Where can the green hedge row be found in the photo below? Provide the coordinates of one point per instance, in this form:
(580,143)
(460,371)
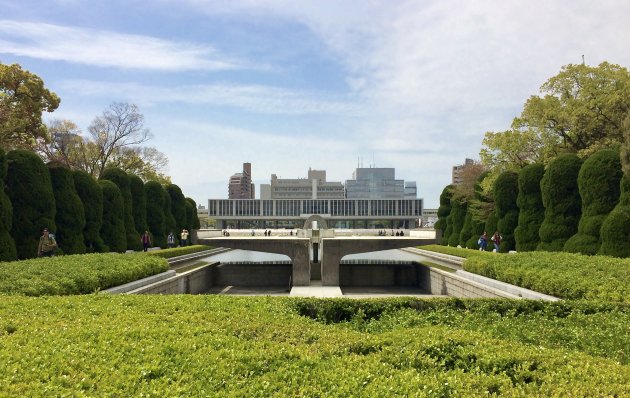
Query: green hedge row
(215,346)
(179,251)
(76,274)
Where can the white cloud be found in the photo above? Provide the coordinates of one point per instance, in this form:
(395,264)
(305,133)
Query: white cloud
(107,49)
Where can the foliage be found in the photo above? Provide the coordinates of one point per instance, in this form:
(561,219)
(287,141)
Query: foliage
(598,181)
(625,147)
(91,196)
(178,251)
(69,216)
(138,203)
(444,211)
(193,217)
(221,346)
(505,194)
(466,234)
(113,227)
(169,220)
(562,202)
(490,227)
(30,191)
(155,212)
(77,274)
(178,206)
(531,210)
(615,232)
(121,179)
(23,99)
(455,251)
(457,219)
(7,244)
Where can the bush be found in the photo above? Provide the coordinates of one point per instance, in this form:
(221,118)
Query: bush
(457,219)
(179,251)
(91,196)
(169,220)
(120,178)
(443,212)
(491,226)
(615,232)
(505,194)
(476,209)
(138,203)
(191,213)
(531,210)
(113,228)
(77,274)
(7,244)
(562,202)
(598,182)
(70,216)
(155,213)
(178,206)
(30,191)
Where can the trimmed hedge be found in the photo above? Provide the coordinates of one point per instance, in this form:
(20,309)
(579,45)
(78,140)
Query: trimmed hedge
(76,274)
(505,194)
(70,216)
(598,182)
(191,215)
(121,179)
(457,219)
(7,244)
(155,212)
(30,191)
(178,207)
(169,220)
(476,226)
(615,232)
(113,228)
(562,202)
(138,203)
(490,227)
(443,212)
(531,210)
(91,196)
(179,251)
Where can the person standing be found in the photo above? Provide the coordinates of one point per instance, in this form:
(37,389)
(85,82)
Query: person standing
(146,241)
(496,239)
(170,240)
(483,241)
(47,244)
(184,238)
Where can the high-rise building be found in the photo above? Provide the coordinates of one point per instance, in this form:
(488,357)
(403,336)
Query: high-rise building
(378,183)
(459,169)
(241,186)
(314,186)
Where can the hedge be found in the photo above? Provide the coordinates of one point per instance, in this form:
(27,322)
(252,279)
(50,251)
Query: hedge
(477,227)
(444,211)
(113,228)
(262,347)
(178,207)
(30,191)
(191,215)
(70,214)
(91,196)
(457,219)
(615,232)
(7,244)
(155,212)
(121,179)
(75,274)
(169,221)
(490,227)
(531,210)
(505,194)
(138,203)
(561,199)
(179,251)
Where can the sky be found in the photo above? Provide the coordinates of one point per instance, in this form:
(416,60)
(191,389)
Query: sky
(289,85)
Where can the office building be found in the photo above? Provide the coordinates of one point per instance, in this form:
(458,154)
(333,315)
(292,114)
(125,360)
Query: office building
(379,183)
(314,186)
(459,170)
(241,186)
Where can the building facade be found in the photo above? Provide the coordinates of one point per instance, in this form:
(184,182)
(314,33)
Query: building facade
(458,171)
(314,186)
(240,185)
(379,183)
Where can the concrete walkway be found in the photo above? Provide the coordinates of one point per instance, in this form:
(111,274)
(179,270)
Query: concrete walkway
(316,290)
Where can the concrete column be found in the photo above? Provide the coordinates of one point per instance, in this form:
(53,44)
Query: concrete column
(301,265)
(331,258)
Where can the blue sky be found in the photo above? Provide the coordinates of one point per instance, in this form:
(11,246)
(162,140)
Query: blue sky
(288,85)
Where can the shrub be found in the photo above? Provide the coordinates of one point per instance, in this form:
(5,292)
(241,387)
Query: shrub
(505,194)
(155,212)
(457,218)
(70,216)
(194,217)
(169,220)
(178,251)
(466,233)
(178,206)
(443,212)
(491,226)
(531,210)
(615,232)
(7,244)
(138,203)
(91,196)
(598,182)
(476,209)
(30,191)
(562,202)
(120,178)
(113,228)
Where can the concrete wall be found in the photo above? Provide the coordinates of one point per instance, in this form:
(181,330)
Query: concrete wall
(379,275)
(436,281)
(251,275)
(195,281)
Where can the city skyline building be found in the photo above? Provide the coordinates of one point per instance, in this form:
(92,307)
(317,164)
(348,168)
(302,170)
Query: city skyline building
(457,176)
(240,185)
(379,183)
(314,186)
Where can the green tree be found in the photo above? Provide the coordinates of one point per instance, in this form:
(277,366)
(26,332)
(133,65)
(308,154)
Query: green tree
(478,210)
(169,220)
(615,232)
(505,194)
(457,219)
(191,212)
(443,212)
(531,210)
(69,216)
(91,196)
(491,227)
(23,99)
(155,212)
(562,202)
(178,206)
(7,244)
(599,187)
(113,228)
(30,191)
(120,178)
(139,203)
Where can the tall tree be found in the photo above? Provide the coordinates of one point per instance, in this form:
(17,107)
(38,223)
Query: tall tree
(139,203)
(178,206)
(155,213)
(121,179)
(70,214)
(91,196)
(7,244)
(444,211)
(169,221)
(505,194)
(113,227)
(531,210)
(23,99)
(194,221)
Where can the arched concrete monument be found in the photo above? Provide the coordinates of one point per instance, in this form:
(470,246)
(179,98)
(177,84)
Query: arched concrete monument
(321,222)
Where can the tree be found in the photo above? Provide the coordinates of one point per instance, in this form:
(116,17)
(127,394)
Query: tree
(457,219)
(478,213)
(505,194)
(121,179)
(562,202)
(443,211)
(178,206)
(30,191)
(145,162)
(194,222)
(139,203)
(169,221)
(190,215)
(70,215)
(23,99)
(113,227)
(491,226)
(155,212)
(531,210)
(615,232)
(7,244)
(91,196)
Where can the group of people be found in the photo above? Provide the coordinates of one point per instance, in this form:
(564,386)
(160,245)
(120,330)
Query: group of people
(398,233)
(145,239)
(483,241)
